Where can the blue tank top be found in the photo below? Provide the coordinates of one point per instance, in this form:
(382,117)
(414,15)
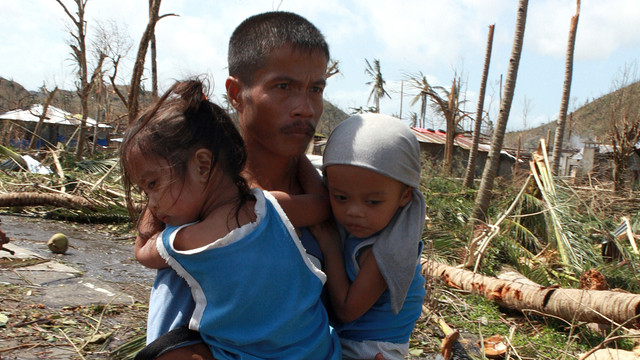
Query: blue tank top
(379,323)
(257,297)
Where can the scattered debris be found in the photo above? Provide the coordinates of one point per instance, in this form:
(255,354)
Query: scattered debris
(593,280)
(58,243)
(495,347)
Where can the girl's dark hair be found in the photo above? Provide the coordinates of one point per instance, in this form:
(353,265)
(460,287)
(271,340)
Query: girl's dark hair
(175,126)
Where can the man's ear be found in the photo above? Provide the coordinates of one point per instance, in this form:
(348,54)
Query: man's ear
(406,196)
(203,162)
(235,88)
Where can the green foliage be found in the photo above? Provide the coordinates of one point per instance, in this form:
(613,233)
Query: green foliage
(97,166)
(533,337)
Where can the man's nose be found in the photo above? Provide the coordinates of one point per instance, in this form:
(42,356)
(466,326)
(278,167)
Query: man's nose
(305,106)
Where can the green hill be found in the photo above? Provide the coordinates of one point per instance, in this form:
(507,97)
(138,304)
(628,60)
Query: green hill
(589,122)
(331,116)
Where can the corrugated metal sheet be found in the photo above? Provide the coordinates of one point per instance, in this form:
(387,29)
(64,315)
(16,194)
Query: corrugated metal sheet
(54,116)
(438,137)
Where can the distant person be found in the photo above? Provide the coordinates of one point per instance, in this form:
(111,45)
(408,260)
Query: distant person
(372,170)
(257,294)
(634,167)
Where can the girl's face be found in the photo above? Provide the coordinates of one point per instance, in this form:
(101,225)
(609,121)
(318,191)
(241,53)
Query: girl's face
(362,200)
(172,199)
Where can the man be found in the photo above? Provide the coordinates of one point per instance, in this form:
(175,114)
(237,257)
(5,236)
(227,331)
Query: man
(277,64)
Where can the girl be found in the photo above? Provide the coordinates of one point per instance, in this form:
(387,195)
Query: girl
(257,295)
(372,170)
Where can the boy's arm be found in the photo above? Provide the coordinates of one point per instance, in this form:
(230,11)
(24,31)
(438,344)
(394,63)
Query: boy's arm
(144,247)
(309,208)
(349,300)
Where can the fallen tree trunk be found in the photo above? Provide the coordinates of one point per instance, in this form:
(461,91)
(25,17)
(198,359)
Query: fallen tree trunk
(35,199)
(570,304)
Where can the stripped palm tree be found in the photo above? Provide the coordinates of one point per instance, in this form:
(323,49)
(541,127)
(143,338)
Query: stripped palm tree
(377,90)
(566,90)
(473,152)
(491,168)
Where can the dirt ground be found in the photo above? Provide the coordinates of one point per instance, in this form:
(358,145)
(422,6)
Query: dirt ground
(80,305)
(86,303)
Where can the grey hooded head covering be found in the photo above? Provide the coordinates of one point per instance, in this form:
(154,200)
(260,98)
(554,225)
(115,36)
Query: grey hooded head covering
(386,145)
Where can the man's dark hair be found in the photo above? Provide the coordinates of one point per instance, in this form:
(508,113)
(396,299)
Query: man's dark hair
(258,36)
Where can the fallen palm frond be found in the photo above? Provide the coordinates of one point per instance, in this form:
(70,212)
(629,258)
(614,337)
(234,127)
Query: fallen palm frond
(482,242)
(541,171)
(101,166)
(14,156)
(128,350)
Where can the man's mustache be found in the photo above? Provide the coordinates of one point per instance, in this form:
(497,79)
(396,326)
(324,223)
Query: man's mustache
(300,126)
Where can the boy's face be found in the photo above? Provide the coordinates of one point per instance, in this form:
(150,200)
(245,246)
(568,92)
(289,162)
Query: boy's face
(364,201)
(279,111)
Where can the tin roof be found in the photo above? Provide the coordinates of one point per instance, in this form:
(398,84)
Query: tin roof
(54,116)
(439,137)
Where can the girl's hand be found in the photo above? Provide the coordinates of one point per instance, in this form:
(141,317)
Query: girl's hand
(144,249)
(148,226)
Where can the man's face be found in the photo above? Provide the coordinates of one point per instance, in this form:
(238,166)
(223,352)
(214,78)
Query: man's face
(280,110)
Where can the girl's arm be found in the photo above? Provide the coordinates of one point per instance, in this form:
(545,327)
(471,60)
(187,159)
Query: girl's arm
(309,208)
(349,300)
(144,247)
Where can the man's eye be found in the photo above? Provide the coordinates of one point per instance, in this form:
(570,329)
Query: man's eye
(317,89)
(151,185)
(374,202)
(283,86)
(339,197)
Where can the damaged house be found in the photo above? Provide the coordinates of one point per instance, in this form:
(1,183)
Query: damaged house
(57,126)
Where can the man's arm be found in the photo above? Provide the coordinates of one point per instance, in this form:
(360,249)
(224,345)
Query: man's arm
(144,247)
(309,208)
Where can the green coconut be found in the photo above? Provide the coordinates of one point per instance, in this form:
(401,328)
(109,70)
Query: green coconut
(58,243)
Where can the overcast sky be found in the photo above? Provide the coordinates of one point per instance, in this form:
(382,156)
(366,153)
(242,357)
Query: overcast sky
(437,38)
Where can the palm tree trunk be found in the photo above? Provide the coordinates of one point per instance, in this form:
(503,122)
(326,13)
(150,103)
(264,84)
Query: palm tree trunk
(598,306)
(477,126)
(566,90)
(450,116)
(493,160)
(138,68)
(38,199)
